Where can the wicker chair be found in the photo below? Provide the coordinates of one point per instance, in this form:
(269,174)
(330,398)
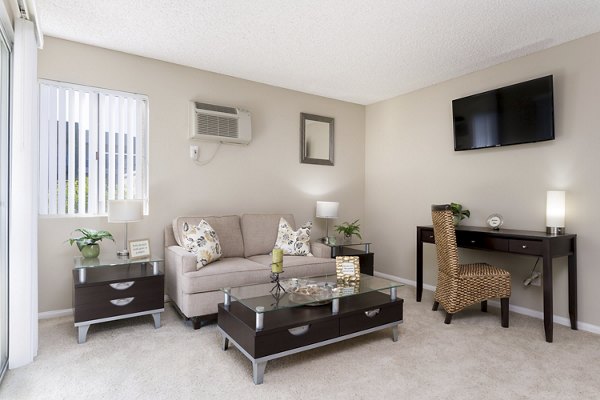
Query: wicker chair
(461,285)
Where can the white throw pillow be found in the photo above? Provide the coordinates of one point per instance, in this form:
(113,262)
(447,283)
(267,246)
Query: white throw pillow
(203,242)
(293,243)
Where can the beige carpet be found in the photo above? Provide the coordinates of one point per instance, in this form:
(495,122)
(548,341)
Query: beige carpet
(473,358)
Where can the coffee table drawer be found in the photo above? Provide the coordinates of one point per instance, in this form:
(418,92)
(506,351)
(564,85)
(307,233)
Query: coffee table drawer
(371,318)
(292,338)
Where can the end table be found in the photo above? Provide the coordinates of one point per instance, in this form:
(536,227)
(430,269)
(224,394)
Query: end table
(111,288)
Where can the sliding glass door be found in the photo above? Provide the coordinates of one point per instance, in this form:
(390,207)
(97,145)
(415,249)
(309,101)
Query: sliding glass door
(4,185)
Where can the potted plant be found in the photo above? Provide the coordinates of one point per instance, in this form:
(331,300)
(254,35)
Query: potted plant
(87,243)
(349,229)
(459,213)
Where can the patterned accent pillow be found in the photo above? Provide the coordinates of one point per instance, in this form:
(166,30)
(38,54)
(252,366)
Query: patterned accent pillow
(203,242)
(293,243)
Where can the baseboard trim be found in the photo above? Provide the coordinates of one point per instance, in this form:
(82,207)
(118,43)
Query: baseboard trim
(582,326)
(55,313)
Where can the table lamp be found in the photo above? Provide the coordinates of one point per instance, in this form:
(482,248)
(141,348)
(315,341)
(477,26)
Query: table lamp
(327,210)
(555,212)
(125,211)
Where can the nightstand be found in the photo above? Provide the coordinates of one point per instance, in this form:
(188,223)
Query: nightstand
(365,256)
(112,288)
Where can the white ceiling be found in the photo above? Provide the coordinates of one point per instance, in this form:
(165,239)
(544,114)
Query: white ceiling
(358,51)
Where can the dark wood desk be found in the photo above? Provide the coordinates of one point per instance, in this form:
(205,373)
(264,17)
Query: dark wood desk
(539,244)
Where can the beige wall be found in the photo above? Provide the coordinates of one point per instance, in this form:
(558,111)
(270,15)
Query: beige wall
(265,176)
(411,164)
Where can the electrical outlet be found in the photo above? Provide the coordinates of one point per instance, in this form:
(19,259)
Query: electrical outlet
(193,152)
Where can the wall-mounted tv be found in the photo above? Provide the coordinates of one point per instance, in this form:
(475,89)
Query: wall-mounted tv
(520,113)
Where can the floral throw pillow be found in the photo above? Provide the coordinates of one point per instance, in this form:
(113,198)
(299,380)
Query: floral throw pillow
(202,241)
(293,243)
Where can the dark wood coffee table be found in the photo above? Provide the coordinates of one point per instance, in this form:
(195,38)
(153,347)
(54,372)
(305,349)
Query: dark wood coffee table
(265,325)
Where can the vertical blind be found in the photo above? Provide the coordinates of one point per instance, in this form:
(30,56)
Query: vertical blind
(93,148)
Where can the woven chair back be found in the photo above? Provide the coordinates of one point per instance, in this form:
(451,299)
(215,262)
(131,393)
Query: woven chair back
(445,240)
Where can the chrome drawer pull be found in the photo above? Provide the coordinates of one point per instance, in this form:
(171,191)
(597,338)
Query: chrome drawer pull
(300,330)
(122,302)
(430,236)
(372,313)
(473,242)
(122,285)
(524,246)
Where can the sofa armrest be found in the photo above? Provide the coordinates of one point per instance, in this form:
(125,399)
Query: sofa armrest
(180,260)
(320,250)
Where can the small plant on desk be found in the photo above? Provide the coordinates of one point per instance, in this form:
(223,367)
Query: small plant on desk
(459,213)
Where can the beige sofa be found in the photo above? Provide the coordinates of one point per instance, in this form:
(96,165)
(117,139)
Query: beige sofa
(246,243)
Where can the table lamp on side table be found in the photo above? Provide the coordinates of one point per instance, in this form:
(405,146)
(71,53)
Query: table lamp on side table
(125,211)
(327,210)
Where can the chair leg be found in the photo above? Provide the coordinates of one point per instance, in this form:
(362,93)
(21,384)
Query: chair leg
(435,305)
(484,306)
(504,311)
(448,318)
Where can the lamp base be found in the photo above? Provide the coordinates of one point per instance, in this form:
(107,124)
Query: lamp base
(555,230)
(123,253)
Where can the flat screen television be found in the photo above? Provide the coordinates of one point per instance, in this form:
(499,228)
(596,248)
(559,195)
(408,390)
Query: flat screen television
(515,114)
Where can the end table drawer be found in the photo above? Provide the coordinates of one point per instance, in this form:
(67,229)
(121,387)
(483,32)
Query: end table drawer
(114,290)
(427,236)
(292,338)
(118,306)
(371,318)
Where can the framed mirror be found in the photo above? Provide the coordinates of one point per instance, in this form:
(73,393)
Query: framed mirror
(316,139)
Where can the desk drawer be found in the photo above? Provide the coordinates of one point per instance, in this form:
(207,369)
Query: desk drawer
(427,236)
(532,247)
(481,242)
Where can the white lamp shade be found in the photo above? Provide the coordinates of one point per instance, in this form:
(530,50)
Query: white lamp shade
(125,210)
(327,209)
(555,208)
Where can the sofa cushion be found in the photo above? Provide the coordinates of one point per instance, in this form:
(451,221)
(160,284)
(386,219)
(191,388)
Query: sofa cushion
(300,266)
(202,241)
(260,232)
(293,242)
(227,228)
(230,271)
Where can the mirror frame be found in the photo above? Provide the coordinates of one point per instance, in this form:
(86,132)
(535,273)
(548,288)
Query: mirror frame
(311,117)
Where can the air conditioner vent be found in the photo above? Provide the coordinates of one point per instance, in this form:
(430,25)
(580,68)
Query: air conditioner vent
(212,107)
(217,126)
(218,123)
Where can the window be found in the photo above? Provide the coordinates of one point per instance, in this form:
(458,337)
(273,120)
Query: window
(93,148)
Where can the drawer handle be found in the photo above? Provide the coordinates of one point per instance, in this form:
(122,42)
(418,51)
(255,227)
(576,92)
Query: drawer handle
(430,236)
(122,285)
(122,302)
(372,313)
(473,242)
(300,330)
(524,246)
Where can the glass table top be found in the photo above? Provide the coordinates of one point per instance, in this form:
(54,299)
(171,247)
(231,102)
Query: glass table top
(310,291)
(109,260)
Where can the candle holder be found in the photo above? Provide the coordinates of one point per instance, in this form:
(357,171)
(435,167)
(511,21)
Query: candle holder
(275,279)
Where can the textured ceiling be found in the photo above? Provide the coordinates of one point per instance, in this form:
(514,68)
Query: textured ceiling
(358,51)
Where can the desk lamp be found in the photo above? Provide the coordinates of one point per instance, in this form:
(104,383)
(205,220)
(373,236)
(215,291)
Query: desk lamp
(555,212)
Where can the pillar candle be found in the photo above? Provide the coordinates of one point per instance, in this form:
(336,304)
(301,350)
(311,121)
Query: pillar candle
(277,265)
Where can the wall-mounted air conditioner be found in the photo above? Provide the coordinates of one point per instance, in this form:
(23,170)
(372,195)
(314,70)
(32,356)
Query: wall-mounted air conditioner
(220,124)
